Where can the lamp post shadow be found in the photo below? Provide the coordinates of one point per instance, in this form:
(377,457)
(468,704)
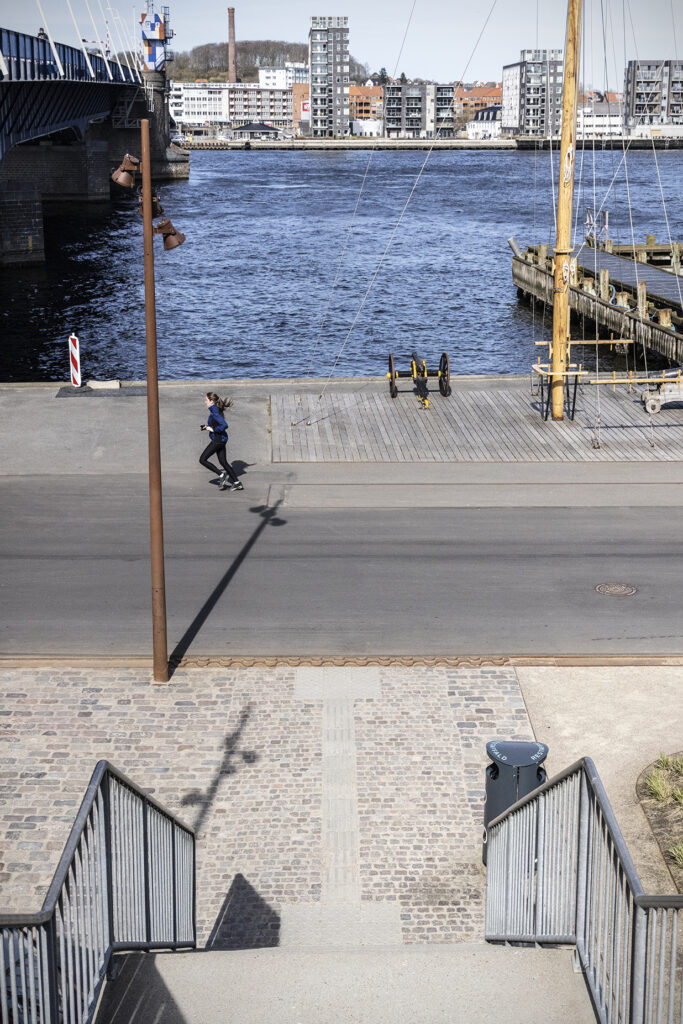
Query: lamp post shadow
(269,517)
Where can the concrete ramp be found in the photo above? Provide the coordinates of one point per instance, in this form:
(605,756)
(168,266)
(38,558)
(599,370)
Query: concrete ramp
(472,984)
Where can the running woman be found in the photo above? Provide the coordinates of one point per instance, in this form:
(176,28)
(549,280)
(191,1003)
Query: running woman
(218,432)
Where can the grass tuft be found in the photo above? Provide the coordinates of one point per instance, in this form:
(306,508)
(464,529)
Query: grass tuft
(663,762)
(658,785)
(677,764)
(677,794)
(677,853)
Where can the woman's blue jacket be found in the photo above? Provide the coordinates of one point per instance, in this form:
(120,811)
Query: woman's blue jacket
(217,426)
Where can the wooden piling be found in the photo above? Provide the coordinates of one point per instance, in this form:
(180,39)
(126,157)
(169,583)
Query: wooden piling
(642,299)
(604,284)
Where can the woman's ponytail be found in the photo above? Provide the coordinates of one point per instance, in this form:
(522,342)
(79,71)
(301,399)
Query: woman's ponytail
(222,403)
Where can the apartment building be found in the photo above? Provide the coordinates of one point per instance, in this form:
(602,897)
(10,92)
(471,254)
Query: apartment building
(532,94)
(467,100)
(418,110)
(653,93)
(328,58)
(293,72)
(365,102)
(207,107)
(301,108)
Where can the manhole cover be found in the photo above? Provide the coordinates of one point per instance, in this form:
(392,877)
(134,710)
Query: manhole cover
(616,589)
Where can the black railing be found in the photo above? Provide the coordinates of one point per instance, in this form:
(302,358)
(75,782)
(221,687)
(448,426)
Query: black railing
(29,59)
(126,880)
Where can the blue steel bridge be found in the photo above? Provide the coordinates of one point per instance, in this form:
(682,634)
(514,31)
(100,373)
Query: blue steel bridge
(46,88)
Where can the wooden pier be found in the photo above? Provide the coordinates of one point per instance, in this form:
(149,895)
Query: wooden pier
(626,298)
(488,420)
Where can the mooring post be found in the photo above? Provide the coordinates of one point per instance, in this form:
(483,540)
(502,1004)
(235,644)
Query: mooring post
(642,299)
(664,317)
(621,299)
(676,257)
(604,284)
(650,241)
(641,255)
(609,245)
(574,270)
(542,255)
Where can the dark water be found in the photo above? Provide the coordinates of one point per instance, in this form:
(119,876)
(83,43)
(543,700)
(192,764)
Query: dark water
(246,294)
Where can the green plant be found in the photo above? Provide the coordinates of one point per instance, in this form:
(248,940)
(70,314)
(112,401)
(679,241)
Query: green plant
(677,764)
(678,795)
(663,762)
(677,853)
(658,785)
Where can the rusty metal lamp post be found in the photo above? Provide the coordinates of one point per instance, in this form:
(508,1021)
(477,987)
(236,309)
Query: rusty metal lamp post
(150,208)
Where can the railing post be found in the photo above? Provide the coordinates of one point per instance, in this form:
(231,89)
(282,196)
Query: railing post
(106,799)
(173,883)
(582,864)
(147,868)
(52,969)
(638,965)
(540,866)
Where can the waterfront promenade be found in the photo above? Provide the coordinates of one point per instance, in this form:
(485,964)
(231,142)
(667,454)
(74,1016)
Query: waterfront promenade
(386,564)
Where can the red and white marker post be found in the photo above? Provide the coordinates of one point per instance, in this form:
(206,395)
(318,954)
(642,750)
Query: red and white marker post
(74,361)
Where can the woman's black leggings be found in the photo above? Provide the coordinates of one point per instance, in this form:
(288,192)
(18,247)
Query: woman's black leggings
(217,448)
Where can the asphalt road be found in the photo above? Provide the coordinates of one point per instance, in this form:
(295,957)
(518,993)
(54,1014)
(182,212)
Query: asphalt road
(296,581)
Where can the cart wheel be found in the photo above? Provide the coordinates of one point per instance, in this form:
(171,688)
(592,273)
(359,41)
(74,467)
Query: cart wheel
(653,404)
(393,390)
(444,375)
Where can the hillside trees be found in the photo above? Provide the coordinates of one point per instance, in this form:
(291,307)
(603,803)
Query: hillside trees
(211,60)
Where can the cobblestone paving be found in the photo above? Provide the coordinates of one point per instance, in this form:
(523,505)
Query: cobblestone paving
(237,757)
(421,761)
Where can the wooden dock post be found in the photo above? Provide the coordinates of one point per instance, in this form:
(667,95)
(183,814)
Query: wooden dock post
(609,245)
(574,271)
(542,255)
(642,299)
(604,284)
(650,241)
(676,257)
(664,317)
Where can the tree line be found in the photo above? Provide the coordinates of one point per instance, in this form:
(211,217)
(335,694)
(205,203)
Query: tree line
(211,60)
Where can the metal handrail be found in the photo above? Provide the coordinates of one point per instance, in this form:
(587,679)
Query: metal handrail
(125,880)
(29,59)
(559,871)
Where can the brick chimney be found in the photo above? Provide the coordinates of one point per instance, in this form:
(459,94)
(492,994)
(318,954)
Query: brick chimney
(232,70)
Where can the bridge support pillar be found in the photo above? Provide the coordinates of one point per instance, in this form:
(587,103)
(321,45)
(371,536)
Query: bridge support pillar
(21,225)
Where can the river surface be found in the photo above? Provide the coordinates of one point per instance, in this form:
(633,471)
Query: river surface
(252,291)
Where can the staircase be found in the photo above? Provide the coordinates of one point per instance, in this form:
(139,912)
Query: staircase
(424,984)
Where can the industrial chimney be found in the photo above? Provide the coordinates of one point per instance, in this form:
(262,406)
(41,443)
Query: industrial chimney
(232,70)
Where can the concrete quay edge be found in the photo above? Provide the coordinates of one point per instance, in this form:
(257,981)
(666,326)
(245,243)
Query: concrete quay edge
(11,661)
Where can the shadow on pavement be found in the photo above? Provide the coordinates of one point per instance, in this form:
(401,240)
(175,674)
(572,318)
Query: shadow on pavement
(245,920)
(137,994)
(268,517)
(231,754)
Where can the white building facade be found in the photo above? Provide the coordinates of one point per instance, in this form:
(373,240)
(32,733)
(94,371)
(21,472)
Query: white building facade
(328,57)
(207,107)
(486,124)
(285,77)
(599,121)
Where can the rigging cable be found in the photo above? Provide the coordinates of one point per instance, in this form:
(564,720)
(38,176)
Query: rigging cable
(630,217)
(402,213)
(323,320)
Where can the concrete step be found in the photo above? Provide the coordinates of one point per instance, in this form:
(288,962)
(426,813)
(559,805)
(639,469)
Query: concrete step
(449,984)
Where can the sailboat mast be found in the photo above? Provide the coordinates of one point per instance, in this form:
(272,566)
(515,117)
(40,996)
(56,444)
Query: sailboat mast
(565,202)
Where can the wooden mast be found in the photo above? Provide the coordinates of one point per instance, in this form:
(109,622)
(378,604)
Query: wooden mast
(565,202)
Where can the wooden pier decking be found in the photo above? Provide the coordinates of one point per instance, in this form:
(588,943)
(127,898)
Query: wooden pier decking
(646,308)
(481,422)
